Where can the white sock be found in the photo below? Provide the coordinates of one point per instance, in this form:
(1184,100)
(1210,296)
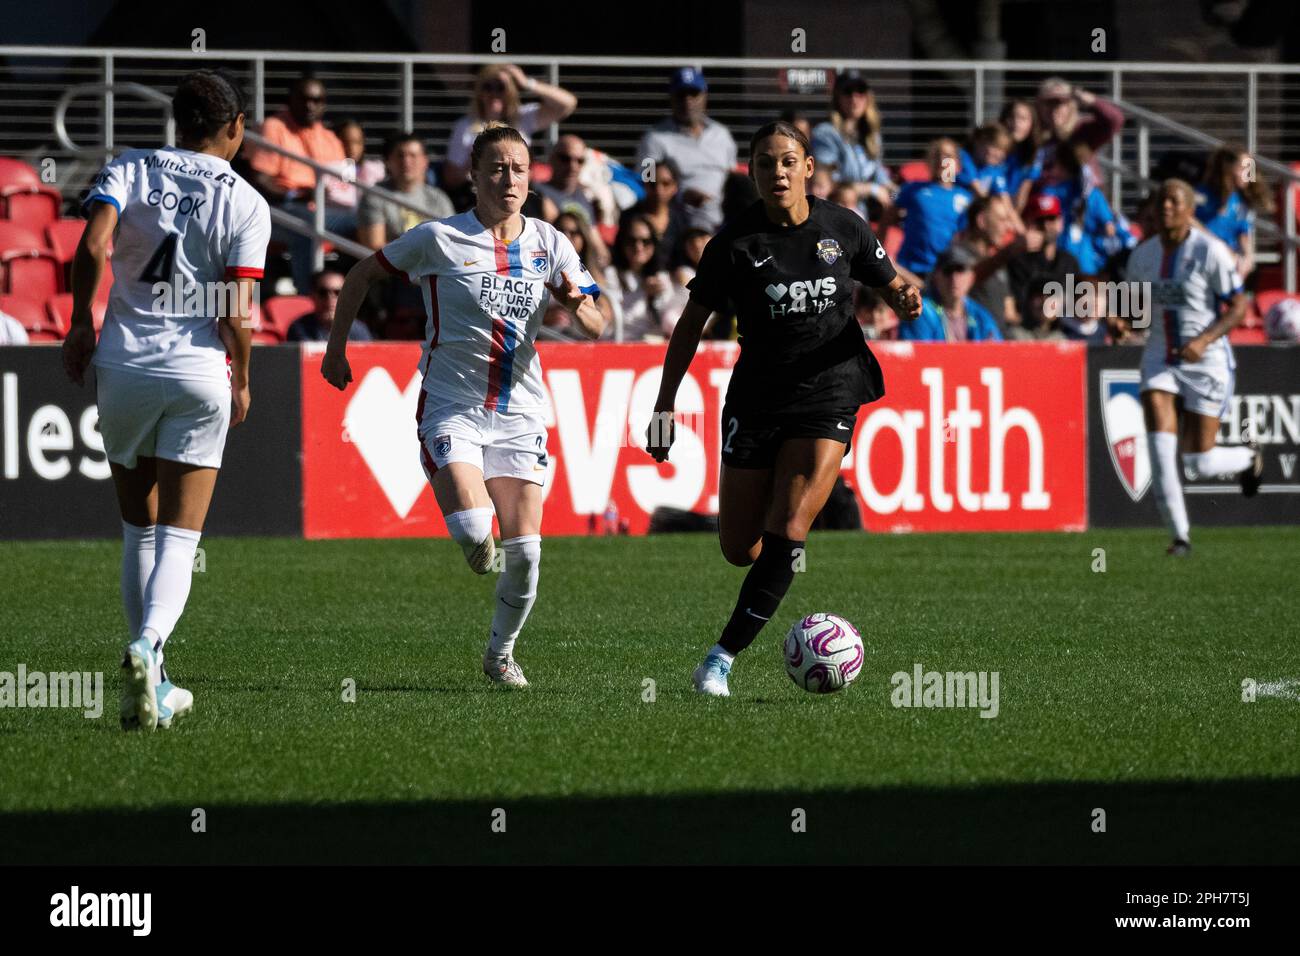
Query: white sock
(1219,462)
(1163,449)
(516,591)
(169,585)
(470,528)
(717,650)
(137,565)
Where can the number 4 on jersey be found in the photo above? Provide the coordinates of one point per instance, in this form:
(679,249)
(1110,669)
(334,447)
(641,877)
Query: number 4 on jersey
(161,265)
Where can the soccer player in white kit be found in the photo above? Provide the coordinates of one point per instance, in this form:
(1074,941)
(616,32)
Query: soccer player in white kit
(1187,366)
(171,369)
(485,275)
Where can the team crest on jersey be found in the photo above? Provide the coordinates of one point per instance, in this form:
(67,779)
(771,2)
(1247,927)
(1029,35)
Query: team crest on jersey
(442,446)
(828,250)
(1121,416)
(539,259)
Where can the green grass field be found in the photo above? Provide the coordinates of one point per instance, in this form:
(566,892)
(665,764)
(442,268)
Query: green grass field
(1118,690)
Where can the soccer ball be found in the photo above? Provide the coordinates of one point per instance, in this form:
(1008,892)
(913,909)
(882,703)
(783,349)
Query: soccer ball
(1283,321)
(823,653)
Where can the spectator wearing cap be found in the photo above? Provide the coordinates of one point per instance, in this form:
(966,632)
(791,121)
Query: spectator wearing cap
(848,143)
(300,129)
(948,314)
(566,189)
(1031,269)
(496,99)
(379,221)
(702,148)
(931,212)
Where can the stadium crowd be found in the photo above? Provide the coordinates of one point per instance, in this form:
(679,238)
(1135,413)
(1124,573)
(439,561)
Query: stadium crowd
(983,225)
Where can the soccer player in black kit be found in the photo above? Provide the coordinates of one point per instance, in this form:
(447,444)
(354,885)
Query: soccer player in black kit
(786,264)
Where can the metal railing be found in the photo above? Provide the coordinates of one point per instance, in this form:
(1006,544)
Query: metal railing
(1175,106)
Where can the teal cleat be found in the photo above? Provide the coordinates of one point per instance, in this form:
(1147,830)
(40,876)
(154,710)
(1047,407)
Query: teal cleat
(173,702)
(711,677)
(138,707)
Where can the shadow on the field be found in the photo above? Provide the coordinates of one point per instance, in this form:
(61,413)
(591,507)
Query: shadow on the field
(1249,821)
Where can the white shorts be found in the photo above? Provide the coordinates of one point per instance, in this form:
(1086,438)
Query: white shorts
(182,420)
(499,444)
(1204,389)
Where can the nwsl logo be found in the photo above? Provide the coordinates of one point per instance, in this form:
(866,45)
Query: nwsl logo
(1121,416)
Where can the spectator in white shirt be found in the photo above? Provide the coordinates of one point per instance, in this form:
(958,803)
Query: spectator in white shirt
(703,149)
(650,301)
(11,331)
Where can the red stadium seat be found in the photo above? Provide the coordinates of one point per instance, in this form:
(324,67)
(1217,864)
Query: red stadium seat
(893,241)
(34,272)
(540,172)
(1243,336)
(1267,299)
(14,172)
(62,237)
(30,313)
(33,206)
(59,309)
(15,237)
(917,171)
(281,311)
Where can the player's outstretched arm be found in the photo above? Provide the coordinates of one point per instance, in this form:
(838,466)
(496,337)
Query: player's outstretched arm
(87,270)
(334,366)
(681,350)
(903,298)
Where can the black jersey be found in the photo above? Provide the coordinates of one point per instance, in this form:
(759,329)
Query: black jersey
(801,348)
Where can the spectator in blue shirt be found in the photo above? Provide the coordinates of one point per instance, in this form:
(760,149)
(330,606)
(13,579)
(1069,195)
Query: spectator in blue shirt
(932,212)
(848,143)
(1020,119)
(1230,196)
(985,170)
(948,314)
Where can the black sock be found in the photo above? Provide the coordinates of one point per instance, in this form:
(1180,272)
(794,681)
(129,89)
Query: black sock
(765,585)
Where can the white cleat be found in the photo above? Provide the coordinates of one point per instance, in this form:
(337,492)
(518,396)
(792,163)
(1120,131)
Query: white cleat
(140,673)
(711,677)
(173,703)
(504,670)
(481,555)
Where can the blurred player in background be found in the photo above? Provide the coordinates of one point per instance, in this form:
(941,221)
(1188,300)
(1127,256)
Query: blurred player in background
(803,372)
(484,275)
(170,378)
(1188,365)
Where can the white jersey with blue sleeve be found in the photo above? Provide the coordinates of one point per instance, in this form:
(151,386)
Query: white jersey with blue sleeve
(187,223)
(484,300)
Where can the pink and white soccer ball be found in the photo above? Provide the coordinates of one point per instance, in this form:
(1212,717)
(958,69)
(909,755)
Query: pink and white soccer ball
(1283,321)
(823,653)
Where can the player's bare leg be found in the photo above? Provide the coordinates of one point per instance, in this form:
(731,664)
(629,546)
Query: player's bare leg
(743,497)
(519,512)
(1204,457)
(467,509)
(800,481)
(1160,410)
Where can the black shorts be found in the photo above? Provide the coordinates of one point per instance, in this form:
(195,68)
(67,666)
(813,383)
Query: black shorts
(752,439)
